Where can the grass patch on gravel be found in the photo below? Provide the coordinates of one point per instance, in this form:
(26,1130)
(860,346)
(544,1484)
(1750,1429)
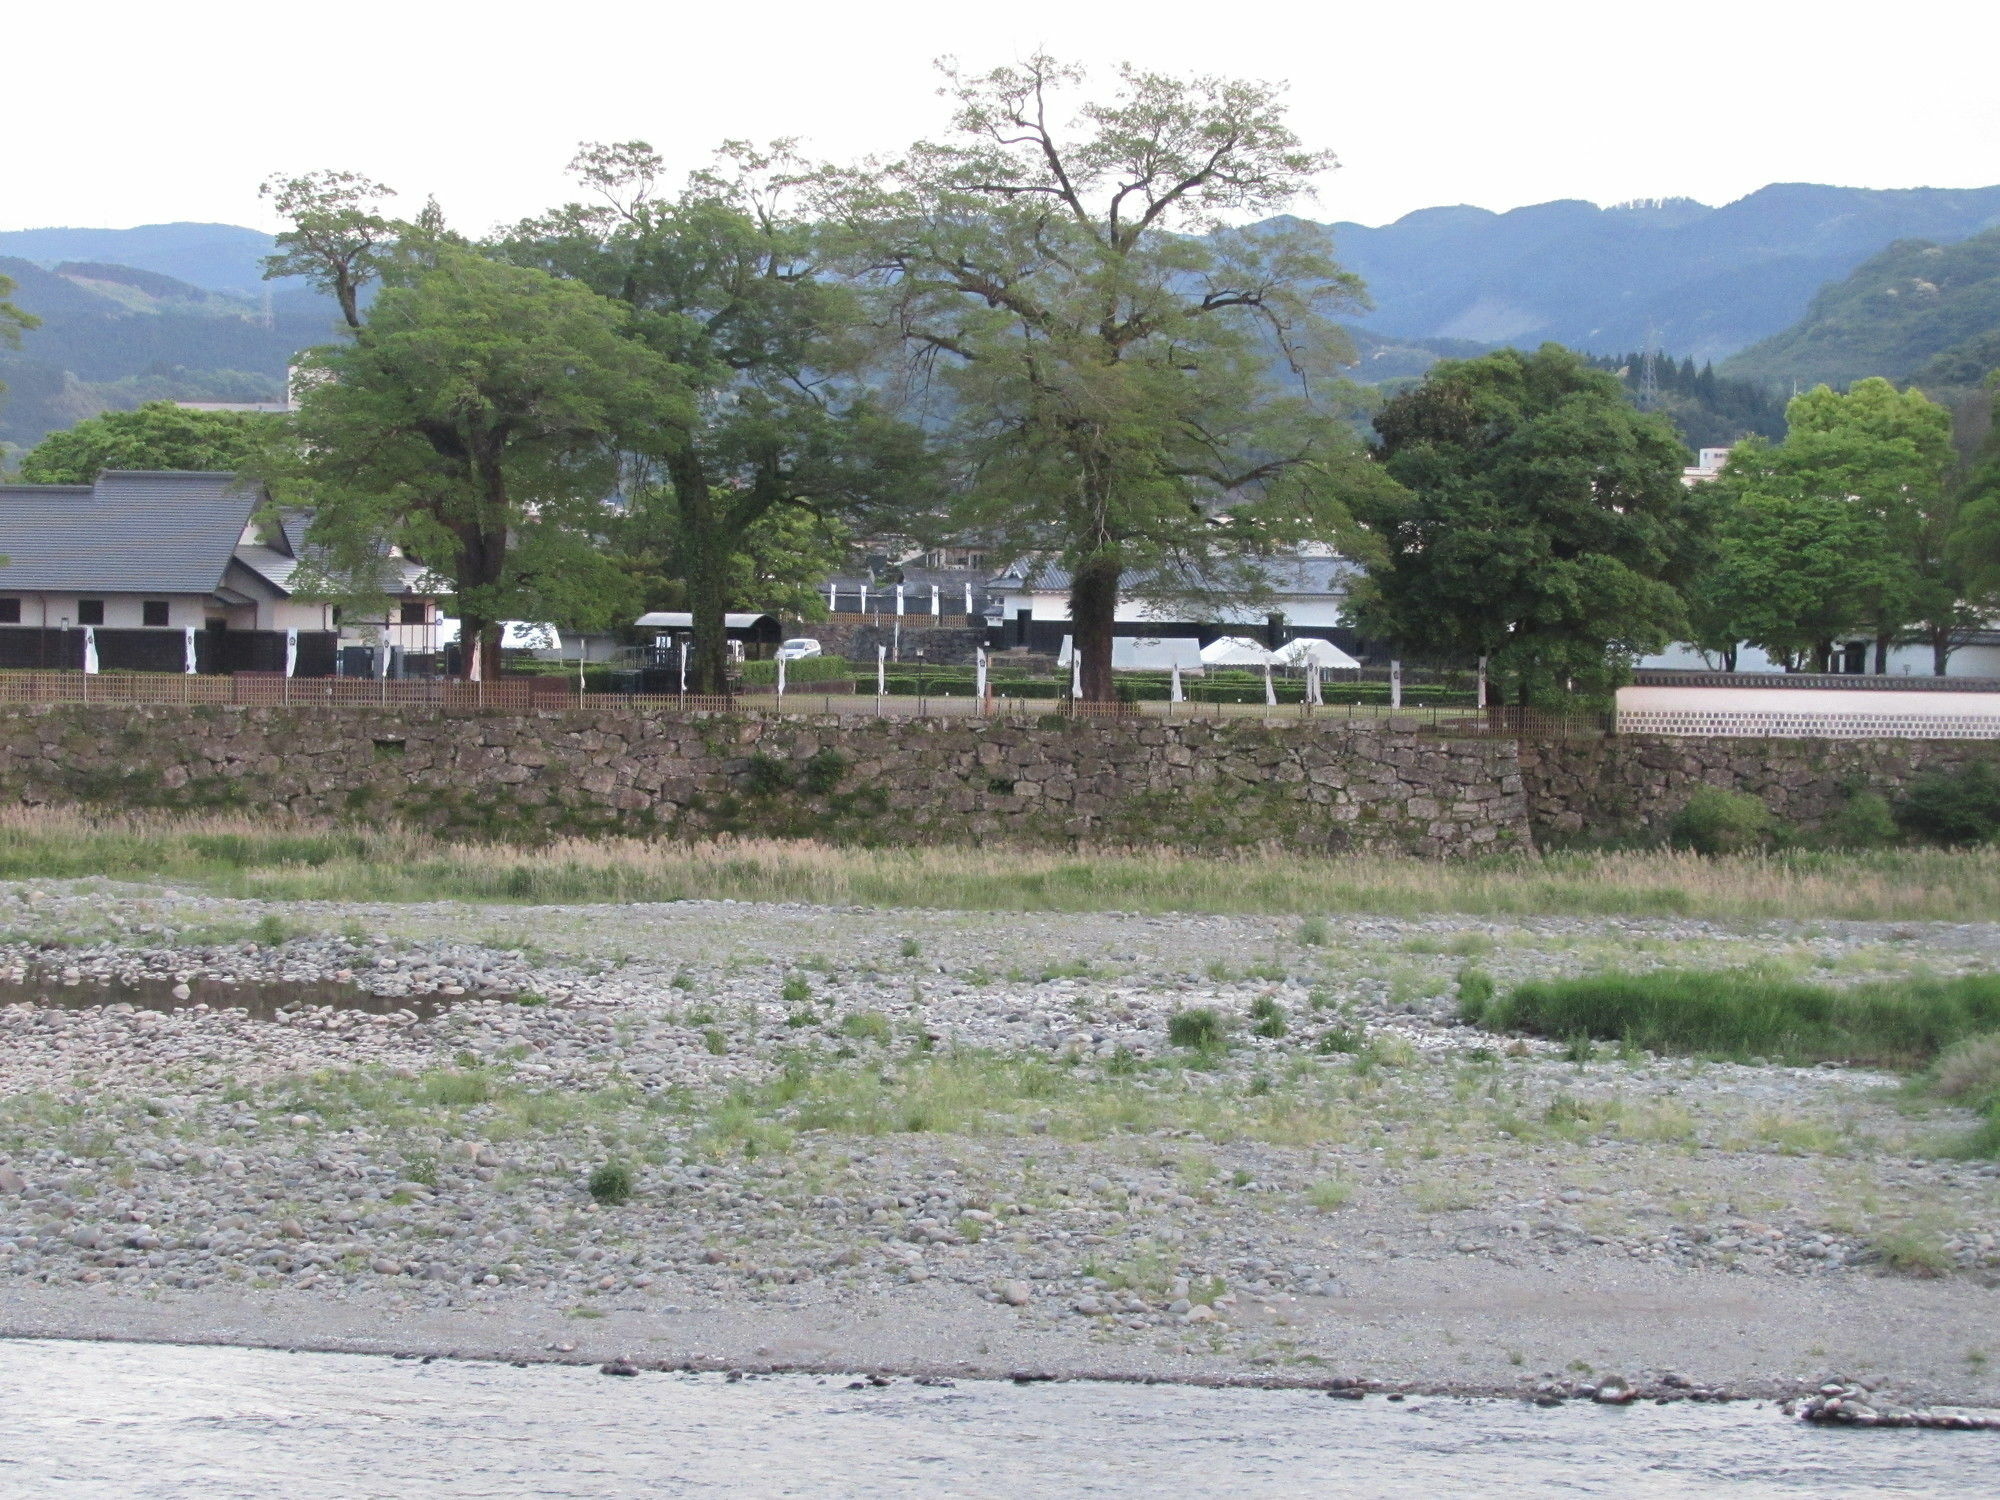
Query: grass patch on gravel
(1903,1023)
(244,857)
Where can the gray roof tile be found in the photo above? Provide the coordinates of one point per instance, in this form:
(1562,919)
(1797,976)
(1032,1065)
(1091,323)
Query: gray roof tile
(132,532)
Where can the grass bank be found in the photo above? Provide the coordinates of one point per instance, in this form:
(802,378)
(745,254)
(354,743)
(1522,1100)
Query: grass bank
(1902,1023)
(278,860)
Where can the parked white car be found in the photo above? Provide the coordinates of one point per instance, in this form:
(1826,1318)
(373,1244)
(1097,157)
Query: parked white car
(794,649)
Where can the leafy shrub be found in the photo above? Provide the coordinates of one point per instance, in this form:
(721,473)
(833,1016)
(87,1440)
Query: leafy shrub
(1741,1012)
(1970,1071)
(766,774)
(1340,1039)
(1313,932)
(1329,1194)
(797,673)
(1954,807)
(611,1183)
(823,772)
(795,990)
(1717,821)
(1863,822)
(1197,1028)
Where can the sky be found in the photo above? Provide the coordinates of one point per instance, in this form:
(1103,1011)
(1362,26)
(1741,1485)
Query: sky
(121,113)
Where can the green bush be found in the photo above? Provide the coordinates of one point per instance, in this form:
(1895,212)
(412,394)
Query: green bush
(1718,821)
(611,1183)
(1954,807)
(798,673)
(766,774)
(1197,1028)
(823,771)
(1742,1012)
(1864,821)
(1475,993)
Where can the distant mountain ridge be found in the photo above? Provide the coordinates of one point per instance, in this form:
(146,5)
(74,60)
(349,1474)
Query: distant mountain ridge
(214,257)
(1703,282)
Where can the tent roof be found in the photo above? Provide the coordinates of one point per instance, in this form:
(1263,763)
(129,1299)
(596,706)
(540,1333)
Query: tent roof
(1235,651)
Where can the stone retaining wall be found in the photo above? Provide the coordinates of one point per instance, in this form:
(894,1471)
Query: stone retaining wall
(1197,785)
(1633,785)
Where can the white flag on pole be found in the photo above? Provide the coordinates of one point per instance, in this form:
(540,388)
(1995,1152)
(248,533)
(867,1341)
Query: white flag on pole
(291,653)
(1395,684)
(979,674)
(1075,673)
(899,598)
(1312,683)
(968,598)
(1270,688)
(90,648)
(684,668)
(937,602)
(881,671)
(1174,688)
(781,677)
(187,650)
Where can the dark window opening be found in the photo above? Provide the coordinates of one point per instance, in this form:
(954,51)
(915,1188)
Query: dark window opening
(216,623)
(10,611)
(416,612)
(90,611)
(153,612)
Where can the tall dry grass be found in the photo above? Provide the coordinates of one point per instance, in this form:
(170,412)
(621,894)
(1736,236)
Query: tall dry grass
(279,859)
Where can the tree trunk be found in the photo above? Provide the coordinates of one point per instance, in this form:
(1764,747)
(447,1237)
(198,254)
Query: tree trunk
(705,560)
(1941,648)
(1882,655)
(1729,660)
(1093,612)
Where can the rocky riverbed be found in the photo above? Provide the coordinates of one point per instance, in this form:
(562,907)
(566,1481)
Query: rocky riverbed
(965,1142)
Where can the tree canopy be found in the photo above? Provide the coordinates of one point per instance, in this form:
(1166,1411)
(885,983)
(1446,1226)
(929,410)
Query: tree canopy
(1126,383)
(728,282)
(1541,521)
(474,422)
(158,435)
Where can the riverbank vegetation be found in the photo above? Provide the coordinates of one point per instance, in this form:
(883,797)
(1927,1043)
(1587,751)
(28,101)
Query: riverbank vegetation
(283,860)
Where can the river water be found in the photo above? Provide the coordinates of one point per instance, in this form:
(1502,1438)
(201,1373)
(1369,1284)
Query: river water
(143,1420)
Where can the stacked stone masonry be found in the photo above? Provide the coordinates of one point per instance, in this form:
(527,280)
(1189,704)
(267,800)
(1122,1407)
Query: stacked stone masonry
(1320,788)
(1049,782)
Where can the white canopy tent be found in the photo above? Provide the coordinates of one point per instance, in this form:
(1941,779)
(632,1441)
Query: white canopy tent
(1145,653)
(1311,651)
(1235,651)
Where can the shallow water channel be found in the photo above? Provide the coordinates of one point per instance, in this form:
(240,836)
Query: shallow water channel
(262,998)
(142,1420)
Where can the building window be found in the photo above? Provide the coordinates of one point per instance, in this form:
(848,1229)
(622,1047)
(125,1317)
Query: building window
(10,611)
(416,612)
(154,612)
(90,611)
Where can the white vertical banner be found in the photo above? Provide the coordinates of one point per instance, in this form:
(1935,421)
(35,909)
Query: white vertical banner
(1075,672)
(1174,694)
(1270,688)
(864,598)
(187,650)
(1312,684)
(90,648)
(979,676)
(1479,684)
(684,667)
(781,675)
(291,653)
(937,602)
(968,599)
(831,599)
(899,598)
(1395,684)
(881,671)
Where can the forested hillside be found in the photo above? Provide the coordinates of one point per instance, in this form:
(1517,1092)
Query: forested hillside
(1917,306)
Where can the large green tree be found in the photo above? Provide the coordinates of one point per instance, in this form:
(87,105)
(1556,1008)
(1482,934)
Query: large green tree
(1793,569)
(1131,387)
(338,239)
(728,280)
(1888,452)
(474,422)
(1541,521)
(158,435)
(1974,545)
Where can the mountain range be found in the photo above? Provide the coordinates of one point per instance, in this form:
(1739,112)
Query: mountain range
(179,311)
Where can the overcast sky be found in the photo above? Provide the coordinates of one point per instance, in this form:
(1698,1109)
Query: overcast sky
(119,113)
